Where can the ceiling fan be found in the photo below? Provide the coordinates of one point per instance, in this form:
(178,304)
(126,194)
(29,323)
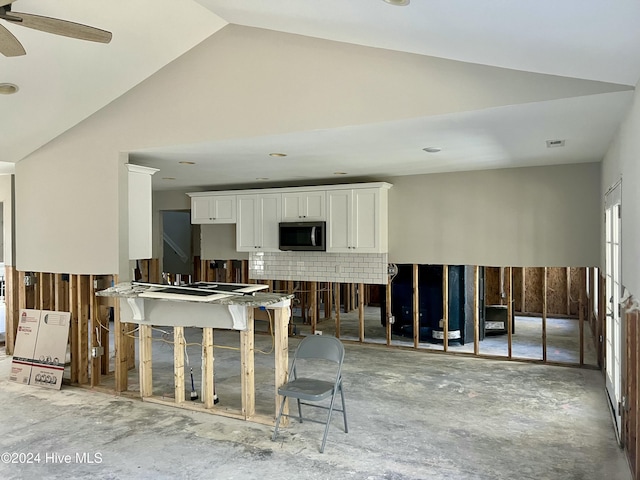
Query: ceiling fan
(11,47)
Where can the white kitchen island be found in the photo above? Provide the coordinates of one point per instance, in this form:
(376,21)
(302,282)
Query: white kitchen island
(208,307)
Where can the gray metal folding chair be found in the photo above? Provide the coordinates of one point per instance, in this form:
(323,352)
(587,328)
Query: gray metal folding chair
(306,389)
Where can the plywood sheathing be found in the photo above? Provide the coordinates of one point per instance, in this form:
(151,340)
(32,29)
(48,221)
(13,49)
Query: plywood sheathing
(556,291)
(492,286)
(533,289)
(576,286)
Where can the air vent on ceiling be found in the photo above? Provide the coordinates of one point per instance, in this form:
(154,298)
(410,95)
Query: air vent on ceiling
(555,143)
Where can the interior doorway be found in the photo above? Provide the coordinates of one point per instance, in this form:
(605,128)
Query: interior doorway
(177,256)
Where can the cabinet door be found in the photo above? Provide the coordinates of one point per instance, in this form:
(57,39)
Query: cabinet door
(303,206)
(313,204)
(268,219)
(213,209)
(224,208)
(201,210)
(291,207)
(257,222)
(366,220)
(246,223)
(339,220)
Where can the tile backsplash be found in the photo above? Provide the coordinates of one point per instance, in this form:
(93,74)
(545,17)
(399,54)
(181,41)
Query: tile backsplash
(319,267)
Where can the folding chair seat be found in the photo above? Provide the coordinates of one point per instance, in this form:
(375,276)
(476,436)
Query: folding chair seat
(309,388)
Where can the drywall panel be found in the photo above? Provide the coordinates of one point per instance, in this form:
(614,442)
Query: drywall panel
(66,207)
(623,162)
(541,216)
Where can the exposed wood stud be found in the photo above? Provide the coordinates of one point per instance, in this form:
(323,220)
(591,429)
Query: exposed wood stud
(581,309)
(178,364)
(416,307)
(208,381)
(313,293)
(95,329)
(281,318)
(83,329)
(361,296)
(73,334)
(476,309)
(544,314)
(523,302)
(248,368)
(121,367)
(338,287)
(509,279)
(568,273)
(146,359)
(445,307)
(12,291)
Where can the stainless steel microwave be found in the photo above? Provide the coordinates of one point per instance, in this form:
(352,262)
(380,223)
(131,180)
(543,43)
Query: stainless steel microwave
(303,236)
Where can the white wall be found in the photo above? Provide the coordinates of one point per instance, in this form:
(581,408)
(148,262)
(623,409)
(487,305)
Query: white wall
(71,207)
(623,161)
(544,216)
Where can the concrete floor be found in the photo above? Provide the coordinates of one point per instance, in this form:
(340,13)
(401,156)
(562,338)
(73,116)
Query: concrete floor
(412,415)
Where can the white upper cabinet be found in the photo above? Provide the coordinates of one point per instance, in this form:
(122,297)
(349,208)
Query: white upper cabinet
(303,206)
(357,220)
(258,222)
(213,209)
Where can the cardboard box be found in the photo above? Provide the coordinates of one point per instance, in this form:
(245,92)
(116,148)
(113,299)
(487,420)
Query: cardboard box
(41,348)
(51,349)
(23,352)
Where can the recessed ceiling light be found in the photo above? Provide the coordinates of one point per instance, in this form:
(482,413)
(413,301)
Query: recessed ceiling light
(168,178)
(340,173)
(432,149)
(397,3)
(8,88)
(184,162)
(277,154)
(262,178)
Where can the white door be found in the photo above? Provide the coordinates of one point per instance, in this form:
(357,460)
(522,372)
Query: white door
(613,286)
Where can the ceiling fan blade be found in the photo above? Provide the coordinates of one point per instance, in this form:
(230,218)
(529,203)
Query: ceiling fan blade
(62,27)
(9,45)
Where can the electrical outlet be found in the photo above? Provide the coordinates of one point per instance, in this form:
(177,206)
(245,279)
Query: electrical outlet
(97,352)
(318,332)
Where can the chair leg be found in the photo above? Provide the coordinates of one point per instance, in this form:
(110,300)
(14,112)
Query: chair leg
(275,431)
(344,410)
(326,428)
(299,411)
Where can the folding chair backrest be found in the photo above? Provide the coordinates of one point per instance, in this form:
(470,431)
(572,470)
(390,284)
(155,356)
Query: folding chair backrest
(321,347)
